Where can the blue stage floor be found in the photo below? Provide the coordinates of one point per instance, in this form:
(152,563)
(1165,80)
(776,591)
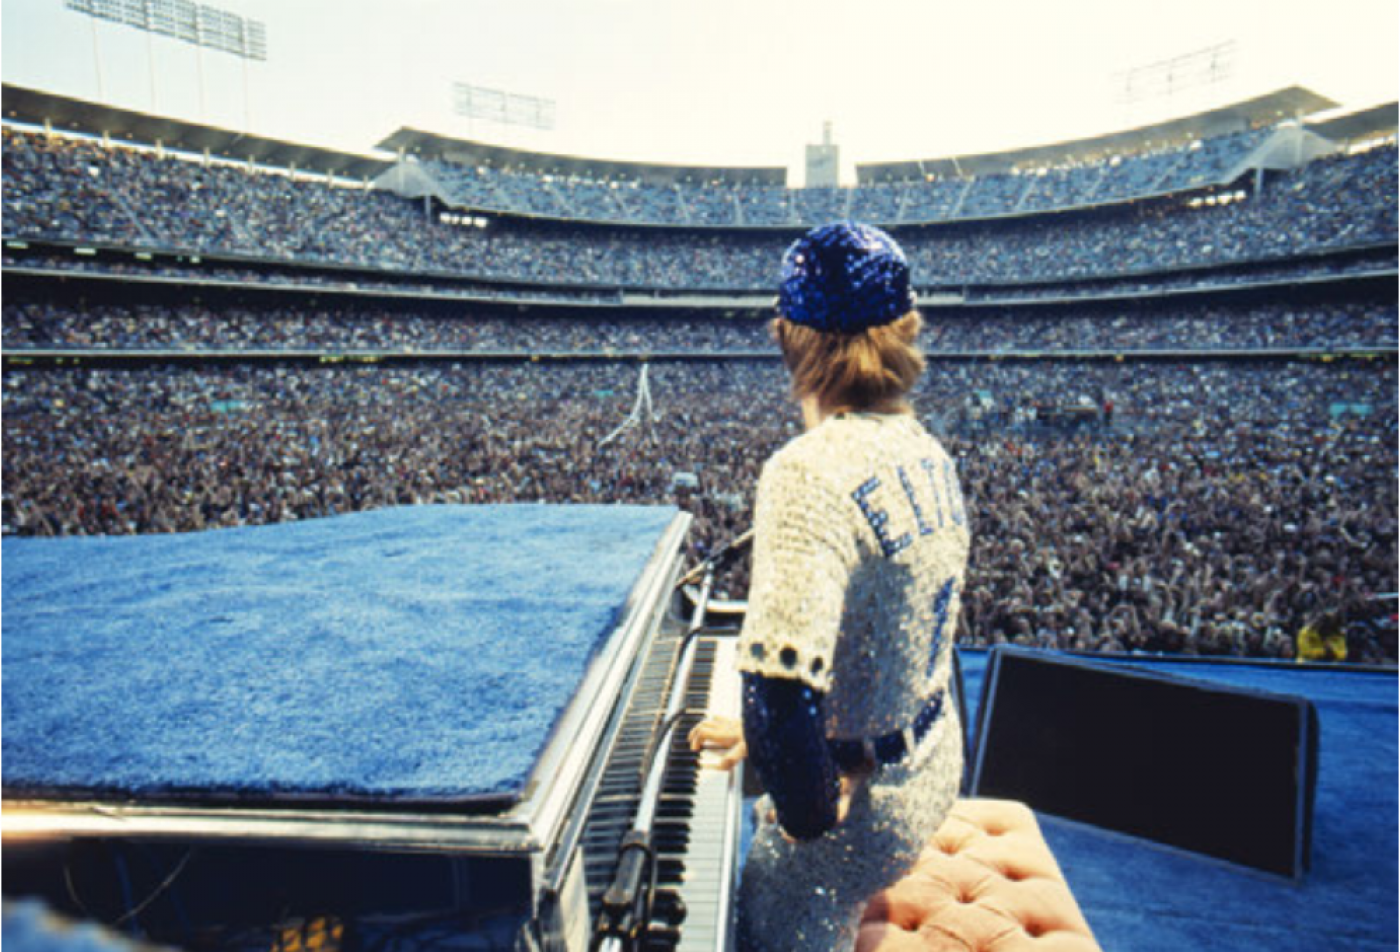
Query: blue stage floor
(1139,897)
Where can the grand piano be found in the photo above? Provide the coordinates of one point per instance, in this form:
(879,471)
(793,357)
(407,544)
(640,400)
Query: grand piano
(142,674)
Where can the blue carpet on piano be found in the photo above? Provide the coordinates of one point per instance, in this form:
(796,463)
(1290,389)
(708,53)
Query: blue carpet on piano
(28,926)
(1140,897)
(421,653)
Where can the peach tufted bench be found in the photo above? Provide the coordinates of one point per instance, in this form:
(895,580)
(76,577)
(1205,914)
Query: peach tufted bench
(986,883)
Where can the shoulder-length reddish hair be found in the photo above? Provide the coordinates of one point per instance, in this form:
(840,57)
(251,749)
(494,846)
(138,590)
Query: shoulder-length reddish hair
(871,370)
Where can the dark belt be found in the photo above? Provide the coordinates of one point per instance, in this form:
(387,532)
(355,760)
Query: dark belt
(869,753)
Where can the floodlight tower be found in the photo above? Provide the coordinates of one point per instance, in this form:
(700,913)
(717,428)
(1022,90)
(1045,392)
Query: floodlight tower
(1201,71)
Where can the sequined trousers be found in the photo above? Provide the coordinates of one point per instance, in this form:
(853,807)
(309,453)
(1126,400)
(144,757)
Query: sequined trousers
(808,897)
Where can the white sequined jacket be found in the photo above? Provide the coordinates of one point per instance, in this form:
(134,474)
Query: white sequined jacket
(860,547)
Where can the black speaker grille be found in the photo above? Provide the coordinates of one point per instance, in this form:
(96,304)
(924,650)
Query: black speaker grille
(1216,770)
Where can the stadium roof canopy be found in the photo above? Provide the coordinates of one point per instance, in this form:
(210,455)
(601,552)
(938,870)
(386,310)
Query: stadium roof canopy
(77,115)
(430,145)
(1291,103)
(1366,124)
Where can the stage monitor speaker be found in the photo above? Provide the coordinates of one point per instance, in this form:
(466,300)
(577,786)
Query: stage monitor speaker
(1225,771)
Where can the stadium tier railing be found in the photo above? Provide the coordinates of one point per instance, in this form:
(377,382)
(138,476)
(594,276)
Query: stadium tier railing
(85,262)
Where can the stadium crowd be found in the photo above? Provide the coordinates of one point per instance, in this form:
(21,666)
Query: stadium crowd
(1122,326)
(409,328)
(629,199)
(294,276)
(1216,510)
(60,188)
(1377,262)
(1181,325)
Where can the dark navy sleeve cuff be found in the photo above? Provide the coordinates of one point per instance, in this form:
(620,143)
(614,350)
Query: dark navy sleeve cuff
(786,736)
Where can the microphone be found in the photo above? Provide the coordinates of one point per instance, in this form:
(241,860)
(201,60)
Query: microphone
(726,552)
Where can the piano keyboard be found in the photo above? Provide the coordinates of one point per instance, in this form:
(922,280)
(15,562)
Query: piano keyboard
(615,803)
(708,859)
(698,818)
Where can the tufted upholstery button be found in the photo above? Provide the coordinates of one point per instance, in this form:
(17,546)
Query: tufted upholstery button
(987,882)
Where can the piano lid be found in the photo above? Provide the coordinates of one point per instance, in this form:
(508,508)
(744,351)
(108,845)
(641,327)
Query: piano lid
(439,659)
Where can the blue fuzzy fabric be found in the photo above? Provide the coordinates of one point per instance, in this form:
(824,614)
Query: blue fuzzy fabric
(1139,897)
(28,926)
(420,653)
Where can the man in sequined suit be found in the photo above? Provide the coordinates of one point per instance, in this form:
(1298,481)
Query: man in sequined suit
(860,549)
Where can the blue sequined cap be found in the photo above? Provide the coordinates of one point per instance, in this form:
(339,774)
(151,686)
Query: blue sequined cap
(844,278)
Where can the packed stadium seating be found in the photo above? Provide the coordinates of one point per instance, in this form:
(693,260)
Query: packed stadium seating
(368,325)
(75,190)
(627,200)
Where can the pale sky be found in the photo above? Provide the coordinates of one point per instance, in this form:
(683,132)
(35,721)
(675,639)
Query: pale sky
(723,82)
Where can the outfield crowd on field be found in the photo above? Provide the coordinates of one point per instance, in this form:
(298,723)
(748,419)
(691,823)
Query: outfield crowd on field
(1217,510)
